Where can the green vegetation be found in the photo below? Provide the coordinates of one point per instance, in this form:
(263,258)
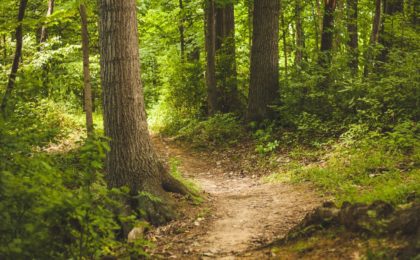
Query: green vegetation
(339,109)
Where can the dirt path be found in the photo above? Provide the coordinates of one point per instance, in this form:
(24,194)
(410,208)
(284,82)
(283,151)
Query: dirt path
(240,213)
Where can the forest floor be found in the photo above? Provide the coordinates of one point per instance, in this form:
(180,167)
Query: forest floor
(240,213)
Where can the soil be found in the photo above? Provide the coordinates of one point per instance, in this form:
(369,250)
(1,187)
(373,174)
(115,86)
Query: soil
(239,214)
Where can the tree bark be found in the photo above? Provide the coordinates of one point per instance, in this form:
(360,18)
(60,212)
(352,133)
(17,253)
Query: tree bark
(50,10)
(373,37)
(353,41)
(132,160)
(210,32)
(300,39)
(327,36)
(264,82)
(86,72)
(16,60)
(226,76)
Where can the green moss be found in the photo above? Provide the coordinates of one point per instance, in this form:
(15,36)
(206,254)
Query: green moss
(191,185)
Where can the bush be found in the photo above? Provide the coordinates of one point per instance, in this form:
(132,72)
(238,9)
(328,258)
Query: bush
(219,130)
(56,206)
(378,166)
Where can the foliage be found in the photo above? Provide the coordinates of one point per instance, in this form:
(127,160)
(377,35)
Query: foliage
(266,142)
(379,166)
(219,130)
(55,205)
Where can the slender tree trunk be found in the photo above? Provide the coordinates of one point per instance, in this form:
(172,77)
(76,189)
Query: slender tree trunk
(284,31)
(386,36)
(210,32)
(250,5)
(132,161)
(327,37)
(353,41)
(4,49)
(86,72)
(316,26)
(300,40)
(264,82)
(50,10)
(318,21)
(373,38)
(18,55)
(182,29)
(226,75)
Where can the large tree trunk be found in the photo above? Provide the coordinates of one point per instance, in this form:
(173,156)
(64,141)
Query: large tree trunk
(264,82)
(132,161)
(226,76)
(50,10)
(327,36)
(16,60)
(86,72)
(210,31)
(373,38)
(353,41)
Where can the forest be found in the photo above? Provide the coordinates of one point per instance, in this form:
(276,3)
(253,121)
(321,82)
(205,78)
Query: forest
(209,129)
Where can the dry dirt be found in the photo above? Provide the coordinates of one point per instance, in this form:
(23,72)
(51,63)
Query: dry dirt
(239,215)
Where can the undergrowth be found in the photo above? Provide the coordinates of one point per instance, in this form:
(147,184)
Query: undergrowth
(57,205)
(364,166)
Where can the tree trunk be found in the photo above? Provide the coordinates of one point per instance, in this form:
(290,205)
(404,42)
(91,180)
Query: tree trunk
(16,60)
(132,161)
(182,29)
(86,72)
(284,31)
(327,36)
(386,36)
(50,10)
(4,49)
(353,41)
(226,76)
(373,38)
(250,5)
(210,32)
(300,40)
(264,82)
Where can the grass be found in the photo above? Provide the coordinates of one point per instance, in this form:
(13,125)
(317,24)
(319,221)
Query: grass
(358,173)
(191,186)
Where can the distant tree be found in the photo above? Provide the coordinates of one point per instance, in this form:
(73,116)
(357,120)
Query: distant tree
(210,24)
(221,50)
(18,55)
(373,37)
(327,36)
(132,160)
(264,81)
(226,75)
(50,11)
(300,38)
(353,40)
(86,72)
(386,35)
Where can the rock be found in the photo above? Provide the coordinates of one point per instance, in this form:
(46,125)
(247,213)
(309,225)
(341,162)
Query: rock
(135,234)
(329,204)
(406,221)
(382,209)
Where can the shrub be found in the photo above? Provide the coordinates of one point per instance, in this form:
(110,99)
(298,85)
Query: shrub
(219,130)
